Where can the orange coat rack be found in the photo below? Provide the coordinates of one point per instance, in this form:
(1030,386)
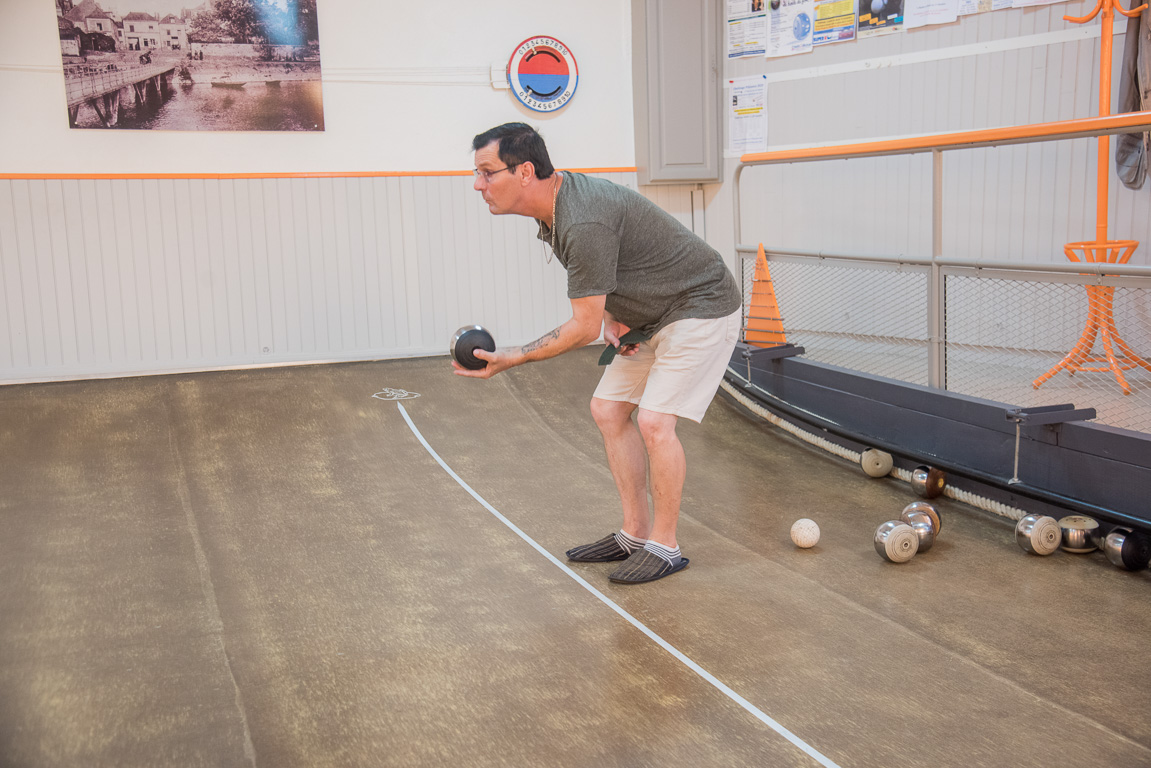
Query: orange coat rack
(1117,355)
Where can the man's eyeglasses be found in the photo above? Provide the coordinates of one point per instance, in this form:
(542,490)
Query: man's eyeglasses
(487,175)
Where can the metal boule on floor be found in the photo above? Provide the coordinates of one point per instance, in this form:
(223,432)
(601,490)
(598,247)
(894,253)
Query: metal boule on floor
(1038,534)
(1077,533)
(876,463)
(1128,549)
(923,525)
(928,482)
(929,509)
(896,541)
(1099,536)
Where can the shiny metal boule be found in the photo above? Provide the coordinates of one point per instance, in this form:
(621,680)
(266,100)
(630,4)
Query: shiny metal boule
(1038,534)
(876,463)
(929,509)
(896,542)
(923,526)
(1128,549)
(1076,530)
(928,482)
(1099,537)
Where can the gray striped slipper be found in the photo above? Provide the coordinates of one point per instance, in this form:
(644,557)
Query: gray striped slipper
(645,566)
(606,550)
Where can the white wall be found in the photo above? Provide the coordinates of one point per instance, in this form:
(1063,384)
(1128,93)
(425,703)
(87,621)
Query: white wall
(88,299)
(406,86)
(115,277)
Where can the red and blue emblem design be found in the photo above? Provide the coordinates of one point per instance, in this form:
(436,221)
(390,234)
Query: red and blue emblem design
(542,74)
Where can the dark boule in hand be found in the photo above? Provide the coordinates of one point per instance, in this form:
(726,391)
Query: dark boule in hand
(468,339)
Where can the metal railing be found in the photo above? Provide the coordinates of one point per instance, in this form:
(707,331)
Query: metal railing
(86,82)
(925,321)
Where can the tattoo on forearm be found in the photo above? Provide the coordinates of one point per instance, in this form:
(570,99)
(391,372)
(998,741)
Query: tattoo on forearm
(542,341)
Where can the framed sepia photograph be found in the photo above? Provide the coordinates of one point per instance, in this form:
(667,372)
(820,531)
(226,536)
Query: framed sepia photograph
(221,65)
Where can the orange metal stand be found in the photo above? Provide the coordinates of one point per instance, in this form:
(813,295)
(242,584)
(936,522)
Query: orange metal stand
(1100,318)
(1118,356)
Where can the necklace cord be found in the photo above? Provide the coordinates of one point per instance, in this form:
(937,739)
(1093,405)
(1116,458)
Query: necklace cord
(555,194)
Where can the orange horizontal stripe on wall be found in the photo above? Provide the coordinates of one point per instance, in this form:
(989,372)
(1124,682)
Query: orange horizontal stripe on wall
(319,175)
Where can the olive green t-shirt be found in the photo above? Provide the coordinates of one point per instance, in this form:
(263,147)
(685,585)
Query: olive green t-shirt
(613,241)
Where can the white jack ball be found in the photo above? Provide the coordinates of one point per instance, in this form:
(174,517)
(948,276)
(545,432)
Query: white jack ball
(805,533)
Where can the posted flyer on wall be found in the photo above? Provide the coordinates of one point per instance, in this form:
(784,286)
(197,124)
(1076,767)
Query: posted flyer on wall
(920,13)
(747,36)
(968,7)
(790,28)
(747,117)
(834,21)
(880,17)
(738,9)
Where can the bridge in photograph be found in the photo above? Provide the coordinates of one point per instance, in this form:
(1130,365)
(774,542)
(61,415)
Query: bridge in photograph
(101,87)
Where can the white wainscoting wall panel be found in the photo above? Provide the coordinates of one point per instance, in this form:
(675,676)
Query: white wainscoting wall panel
(121,277)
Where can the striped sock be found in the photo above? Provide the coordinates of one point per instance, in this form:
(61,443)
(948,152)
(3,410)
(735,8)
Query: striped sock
(628,542)
(671,555)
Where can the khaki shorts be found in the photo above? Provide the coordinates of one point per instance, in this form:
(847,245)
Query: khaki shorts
(677,371)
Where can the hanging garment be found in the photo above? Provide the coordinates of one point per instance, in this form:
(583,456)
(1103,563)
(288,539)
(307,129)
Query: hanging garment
(1133,150)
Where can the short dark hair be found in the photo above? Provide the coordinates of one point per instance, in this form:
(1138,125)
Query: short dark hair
(519,143)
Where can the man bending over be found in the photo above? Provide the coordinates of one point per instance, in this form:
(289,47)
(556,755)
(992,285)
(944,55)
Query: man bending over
(631,267)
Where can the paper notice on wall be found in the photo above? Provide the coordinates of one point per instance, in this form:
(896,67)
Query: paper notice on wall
(747,36)
(790,28)
(880,17)
(747,118)
(834,21)
(737,9)
(920,13)
(968,7)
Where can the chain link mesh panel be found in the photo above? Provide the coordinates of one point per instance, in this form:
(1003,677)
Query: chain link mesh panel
(1022,342)
(1035,343)
(870,320)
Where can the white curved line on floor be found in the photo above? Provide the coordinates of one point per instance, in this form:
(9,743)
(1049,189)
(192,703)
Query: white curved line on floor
(747,705)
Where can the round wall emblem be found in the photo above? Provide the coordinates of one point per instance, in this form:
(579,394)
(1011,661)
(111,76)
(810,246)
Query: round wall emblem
(542,74)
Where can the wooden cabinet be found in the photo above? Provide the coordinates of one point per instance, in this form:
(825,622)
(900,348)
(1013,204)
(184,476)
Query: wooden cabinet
(676,70)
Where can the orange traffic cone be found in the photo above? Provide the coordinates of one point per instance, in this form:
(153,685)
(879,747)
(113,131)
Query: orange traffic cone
(763,326)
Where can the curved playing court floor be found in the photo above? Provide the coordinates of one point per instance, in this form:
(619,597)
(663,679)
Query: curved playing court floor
(273,568)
